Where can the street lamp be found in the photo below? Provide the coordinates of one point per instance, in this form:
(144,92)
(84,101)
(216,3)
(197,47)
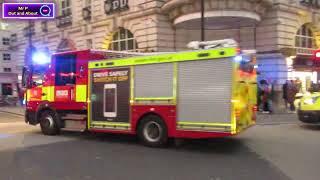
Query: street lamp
(202,21)
(28,32)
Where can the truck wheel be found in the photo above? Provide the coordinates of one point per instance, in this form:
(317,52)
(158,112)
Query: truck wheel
(48,123)
(152,131)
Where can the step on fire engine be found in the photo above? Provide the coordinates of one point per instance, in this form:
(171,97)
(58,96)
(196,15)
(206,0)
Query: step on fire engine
(203,93)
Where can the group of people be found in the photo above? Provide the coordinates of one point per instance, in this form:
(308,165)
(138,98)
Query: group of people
(290,89)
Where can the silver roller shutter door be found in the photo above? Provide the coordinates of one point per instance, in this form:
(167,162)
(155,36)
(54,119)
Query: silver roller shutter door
(154,80)
(204,91)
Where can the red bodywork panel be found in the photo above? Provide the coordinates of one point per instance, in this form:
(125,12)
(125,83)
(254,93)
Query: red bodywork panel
(168,114)
(65,94)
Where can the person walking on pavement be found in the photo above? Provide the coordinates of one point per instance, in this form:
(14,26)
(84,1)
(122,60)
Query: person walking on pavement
(285,93)
(292,90)
(266,96)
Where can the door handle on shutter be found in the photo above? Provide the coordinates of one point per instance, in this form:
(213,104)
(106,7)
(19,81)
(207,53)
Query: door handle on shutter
(241,82)
(43,94)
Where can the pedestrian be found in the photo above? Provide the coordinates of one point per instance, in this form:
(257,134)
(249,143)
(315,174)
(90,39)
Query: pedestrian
(292,90)
(298,84)
(284,93)
(266,96)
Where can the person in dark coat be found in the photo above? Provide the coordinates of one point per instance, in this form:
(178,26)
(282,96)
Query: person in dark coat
(285,93)
(266,96)
(292,90)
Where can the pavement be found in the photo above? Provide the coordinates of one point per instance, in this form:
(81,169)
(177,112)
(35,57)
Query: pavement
(17,110)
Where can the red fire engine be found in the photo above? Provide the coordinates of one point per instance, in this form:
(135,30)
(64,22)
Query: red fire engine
(193,94)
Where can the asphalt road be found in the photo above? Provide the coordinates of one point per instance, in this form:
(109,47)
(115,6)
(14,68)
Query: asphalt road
(270,152)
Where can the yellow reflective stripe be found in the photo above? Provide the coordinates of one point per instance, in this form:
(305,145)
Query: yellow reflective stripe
(154,98)
(166,58)
(204,124)
(110,124)
(209,128)
(89,100)
(28,95)
(175,81)
(200,126)
(131,84)
(81,93)
(233,109)
(48,92)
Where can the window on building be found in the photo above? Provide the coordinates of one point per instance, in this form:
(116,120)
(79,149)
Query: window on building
(87,3)
(305,38)
(6,89)
(14,38)
(89,43)
(7,69)
(86,11)
(123,40)
(44,26)
(6,41)
(6,57)
(66,7)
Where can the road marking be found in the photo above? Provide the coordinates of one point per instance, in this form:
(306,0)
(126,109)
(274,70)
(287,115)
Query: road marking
(277,123)
(3,136)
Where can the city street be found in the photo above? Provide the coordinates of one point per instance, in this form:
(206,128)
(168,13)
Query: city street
(279,147)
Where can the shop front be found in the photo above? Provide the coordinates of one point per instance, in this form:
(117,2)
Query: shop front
(300,61)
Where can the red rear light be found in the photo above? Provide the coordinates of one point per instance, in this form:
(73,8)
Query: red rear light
(255,108)
(237,113)
(316,58)
(238,50)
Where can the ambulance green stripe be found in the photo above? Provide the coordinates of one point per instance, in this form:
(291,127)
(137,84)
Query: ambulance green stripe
(166,58)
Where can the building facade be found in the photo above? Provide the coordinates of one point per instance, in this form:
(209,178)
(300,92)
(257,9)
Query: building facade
(284,32)
(9,69)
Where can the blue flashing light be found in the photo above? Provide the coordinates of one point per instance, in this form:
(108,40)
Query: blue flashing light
(40,58)
(238,58)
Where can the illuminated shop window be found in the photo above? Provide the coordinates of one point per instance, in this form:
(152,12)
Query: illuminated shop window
(123,40)
(305,38)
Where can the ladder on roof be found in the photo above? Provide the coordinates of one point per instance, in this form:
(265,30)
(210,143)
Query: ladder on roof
(109,54)
(212,44)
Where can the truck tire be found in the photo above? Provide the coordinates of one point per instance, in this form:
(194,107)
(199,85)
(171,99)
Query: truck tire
(152,131)
(49,123)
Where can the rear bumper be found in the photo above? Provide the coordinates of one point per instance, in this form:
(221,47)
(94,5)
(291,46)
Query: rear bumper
(312,117)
